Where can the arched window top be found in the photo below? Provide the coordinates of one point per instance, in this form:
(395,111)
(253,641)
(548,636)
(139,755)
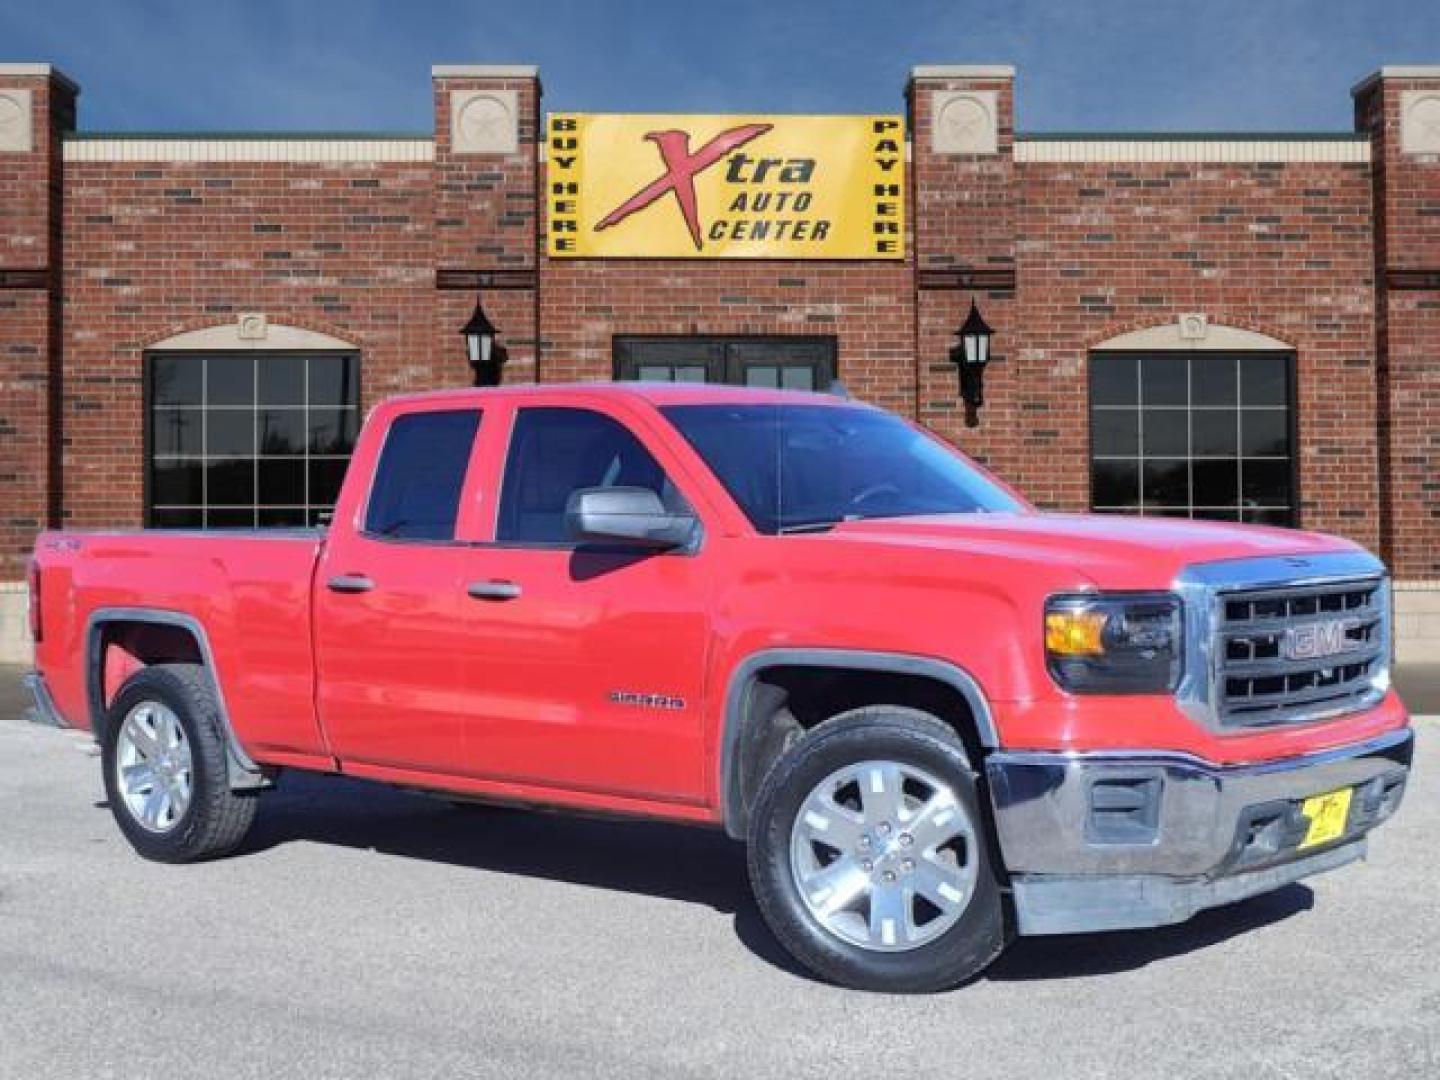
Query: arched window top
(1217,338)
(227,337)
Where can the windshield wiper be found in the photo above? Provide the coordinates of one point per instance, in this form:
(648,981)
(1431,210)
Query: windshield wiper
(395,527)
(897,515)
(807,527)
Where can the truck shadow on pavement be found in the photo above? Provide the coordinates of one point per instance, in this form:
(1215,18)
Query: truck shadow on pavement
(676,862)
(1079,955)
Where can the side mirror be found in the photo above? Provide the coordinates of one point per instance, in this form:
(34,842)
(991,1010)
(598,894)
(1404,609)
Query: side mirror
(627,515)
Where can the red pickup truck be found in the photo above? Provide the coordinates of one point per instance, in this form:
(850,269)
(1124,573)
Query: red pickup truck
(937,717)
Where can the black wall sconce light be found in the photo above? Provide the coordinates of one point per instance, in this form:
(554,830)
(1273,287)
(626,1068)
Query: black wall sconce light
(485,353)
(971,355)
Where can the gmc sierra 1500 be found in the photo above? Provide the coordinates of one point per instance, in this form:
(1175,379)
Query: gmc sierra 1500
(936,716)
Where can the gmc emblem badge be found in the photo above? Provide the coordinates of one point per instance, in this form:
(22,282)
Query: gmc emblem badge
(1311,641)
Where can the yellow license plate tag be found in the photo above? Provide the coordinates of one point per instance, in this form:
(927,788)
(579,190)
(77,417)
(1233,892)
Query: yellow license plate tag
(1328,815)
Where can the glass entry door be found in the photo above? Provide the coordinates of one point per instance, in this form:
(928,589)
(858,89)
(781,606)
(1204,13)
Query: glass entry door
(788,363)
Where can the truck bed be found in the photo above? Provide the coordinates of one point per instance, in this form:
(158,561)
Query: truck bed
(247,590)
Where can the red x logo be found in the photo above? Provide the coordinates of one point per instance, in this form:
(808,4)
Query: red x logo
(681,168)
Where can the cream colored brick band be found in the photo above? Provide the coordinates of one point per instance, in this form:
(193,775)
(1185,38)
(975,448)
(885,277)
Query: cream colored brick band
(318,151)
(1200,151)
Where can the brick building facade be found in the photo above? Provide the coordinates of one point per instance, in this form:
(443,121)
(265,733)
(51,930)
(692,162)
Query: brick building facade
(1306,265)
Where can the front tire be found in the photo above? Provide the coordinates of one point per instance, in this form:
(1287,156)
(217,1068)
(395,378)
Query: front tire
(870,857)
(164,758)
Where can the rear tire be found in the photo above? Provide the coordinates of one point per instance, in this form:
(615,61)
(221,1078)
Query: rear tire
(165,764)
(870,856)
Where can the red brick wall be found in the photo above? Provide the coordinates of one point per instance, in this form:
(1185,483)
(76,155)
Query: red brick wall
(965,231)
(1060,256)
(157,248)
(24,425)
(866,306)
(486,219)
(1104,248)
(963,204)
(1281,249)
(350,249)
(486,205)
(1407,207)
(30,252)
(25,192)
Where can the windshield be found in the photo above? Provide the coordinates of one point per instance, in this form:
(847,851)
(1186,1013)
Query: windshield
(797,467)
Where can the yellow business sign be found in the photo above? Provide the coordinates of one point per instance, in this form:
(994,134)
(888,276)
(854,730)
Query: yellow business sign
(731,187)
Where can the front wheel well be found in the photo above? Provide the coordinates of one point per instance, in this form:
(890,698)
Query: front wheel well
(777,704)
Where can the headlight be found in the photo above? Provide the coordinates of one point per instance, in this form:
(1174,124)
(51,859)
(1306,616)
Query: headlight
(1115,643)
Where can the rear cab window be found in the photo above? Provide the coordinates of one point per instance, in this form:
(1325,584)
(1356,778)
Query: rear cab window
(421,475)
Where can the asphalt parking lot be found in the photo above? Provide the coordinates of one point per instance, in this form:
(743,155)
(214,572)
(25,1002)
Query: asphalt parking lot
(370,932)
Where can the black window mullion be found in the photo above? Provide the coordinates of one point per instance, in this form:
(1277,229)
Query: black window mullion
(733,373)
(204,439)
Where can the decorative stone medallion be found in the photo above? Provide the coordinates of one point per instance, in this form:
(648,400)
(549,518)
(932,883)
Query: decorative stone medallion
(16,135)
(484,122)
(1420,121)
(252,326)
(965,122)
(1194,326)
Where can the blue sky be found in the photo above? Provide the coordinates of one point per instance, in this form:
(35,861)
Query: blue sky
(364,64)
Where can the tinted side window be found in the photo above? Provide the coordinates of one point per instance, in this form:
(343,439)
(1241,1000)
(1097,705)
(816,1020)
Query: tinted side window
(416,495)
(554,452)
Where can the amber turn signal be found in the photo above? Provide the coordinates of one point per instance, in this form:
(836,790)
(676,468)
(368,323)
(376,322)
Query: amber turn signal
(1075,633)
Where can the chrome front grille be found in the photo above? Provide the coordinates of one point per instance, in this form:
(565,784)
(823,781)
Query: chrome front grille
(1298,652)
(1284,639)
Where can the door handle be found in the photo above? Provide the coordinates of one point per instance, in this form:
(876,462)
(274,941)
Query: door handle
(350,583)
(493,590)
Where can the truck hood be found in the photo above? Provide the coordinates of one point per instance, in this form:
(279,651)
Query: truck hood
(1110,551)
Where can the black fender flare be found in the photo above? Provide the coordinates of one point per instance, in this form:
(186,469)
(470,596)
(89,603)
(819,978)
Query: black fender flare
(743,679)
(244,772)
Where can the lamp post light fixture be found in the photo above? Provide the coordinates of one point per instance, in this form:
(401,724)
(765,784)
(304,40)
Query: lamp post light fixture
(971,355)
(485,354)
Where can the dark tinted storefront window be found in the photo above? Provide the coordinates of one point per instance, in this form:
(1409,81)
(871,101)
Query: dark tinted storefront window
(1204,435)
(776,363)
(248,440)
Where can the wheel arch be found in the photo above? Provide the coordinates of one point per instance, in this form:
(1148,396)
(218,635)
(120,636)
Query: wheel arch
(752,706)
(104,629)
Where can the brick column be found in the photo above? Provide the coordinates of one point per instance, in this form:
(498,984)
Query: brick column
(37,105)
(963,206)
(1400,109)
(486,207)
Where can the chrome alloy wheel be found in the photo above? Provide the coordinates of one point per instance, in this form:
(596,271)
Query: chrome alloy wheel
(154,772)
(884,855)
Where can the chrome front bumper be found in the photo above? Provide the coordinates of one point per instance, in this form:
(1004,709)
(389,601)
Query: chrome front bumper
(44,711)
(1112,841)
